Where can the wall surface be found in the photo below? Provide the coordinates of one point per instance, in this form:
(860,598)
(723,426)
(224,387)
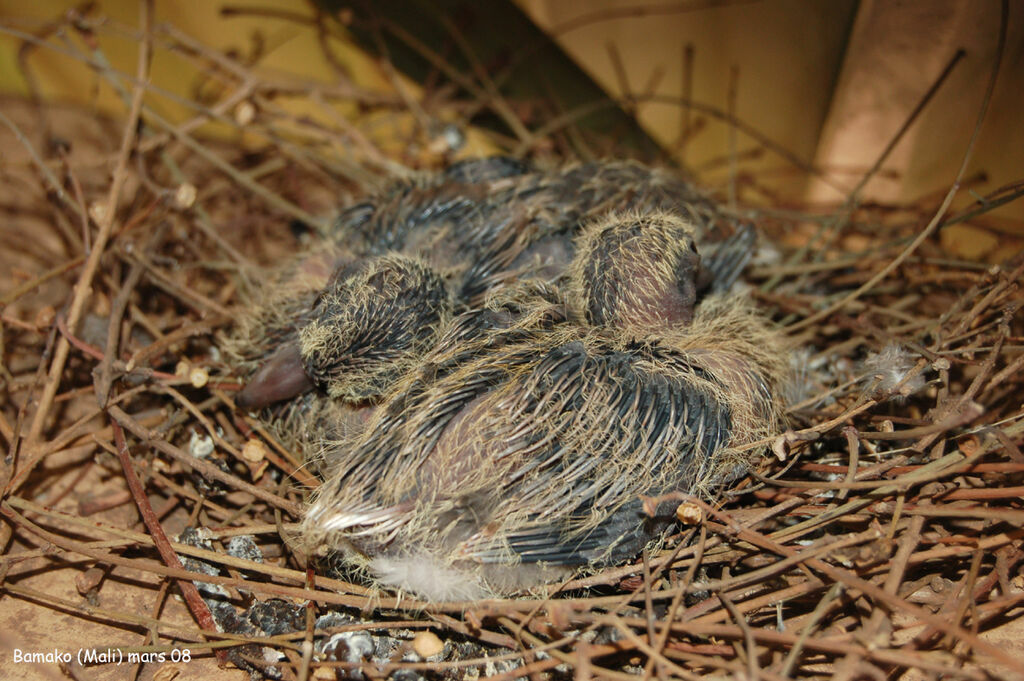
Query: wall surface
(833,82)
(786,55)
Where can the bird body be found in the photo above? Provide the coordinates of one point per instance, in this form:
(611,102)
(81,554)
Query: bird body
(493,222)
(520,448)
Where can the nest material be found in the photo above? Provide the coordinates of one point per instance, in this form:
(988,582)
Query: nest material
(884,539)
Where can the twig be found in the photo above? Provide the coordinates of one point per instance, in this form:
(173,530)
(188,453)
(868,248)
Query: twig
(206,468)
(106,223)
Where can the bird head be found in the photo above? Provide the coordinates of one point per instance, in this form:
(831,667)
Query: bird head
(368,325)
(636,273)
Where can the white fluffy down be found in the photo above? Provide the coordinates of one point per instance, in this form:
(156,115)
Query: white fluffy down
(891,367)
(426,577)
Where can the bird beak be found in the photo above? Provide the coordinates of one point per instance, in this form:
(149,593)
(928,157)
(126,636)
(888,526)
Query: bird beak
(281,378)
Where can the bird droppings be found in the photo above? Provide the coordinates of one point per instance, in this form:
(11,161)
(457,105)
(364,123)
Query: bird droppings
(244,546)
(196,537)
(349,646)
(200,445)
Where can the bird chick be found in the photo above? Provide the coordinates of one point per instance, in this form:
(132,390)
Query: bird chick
(412,216)
(418,216)
(370,322)
(520,452)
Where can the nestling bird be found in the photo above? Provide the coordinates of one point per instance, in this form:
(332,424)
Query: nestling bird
(479,226)
(519,448)
(413,217)
(406,217)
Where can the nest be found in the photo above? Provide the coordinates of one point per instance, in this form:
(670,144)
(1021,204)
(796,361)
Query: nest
(882,540)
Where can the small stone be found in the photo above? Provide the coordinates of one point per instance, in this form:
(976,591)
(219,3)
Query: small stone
(858,243)
(167,672)
(780,447)
(45,317)
(427,644)
(98,212)
(90,579)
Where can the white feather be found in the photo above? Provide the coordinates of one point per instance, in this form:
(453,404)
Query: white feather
(891,367)
(427,577)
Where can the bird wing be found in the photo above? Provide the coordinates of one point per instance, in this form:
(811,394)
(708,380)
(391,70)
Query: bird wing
(723,266)
(487,169)
(594,428)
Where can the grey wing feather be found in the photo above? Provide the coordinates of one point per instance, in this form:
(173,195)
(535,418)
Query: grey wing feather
(669,427)
(730,256)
